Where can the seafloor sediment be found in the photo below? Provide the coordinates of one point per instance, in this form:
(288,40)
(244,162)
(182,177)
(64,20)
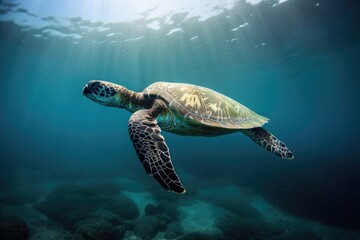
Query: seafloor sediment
(112,209)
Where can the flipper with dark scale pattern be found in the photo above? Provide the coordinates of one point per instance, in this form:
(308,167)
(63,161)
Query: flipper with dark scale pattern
(152,150)
(268,141)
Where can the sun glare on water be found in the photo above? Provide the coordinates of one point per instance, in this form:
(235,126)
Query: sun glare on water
(127,10)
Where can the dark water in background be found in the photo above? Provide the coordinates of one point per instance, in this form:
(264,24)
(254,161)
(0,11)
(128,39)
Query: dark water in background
(296,63)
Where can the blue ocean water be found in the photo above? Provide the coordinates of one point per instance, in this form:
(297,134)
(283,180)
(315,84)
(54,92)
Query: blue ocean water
(69,170)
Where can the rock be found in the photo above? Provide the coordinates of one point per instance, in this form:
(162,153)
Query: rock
(148,226)
(100,230)
(170,210)
(198,236)
(151,209)
(69,204)
(234,227)
(123,207)
(13,228)
(103,187)
(102,215)
(53,234)
(173,231)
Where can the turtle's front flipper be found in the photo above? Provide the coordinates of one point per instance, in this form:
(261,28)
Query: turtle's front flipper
(152,150)
(268,141)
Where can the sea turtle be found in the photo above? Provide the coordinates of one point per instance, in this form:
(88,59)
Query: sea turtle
(183,109)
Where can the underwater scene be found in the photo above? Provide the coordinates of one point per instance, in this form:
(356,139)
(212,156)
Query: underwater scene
(72,169)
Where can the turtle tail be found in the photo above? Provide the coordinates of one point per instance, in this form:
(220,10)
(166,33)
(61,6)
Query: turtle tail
(268,141)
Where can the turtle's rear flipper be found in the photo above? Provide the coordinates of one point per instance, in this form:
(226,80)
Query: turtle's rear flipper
(269,142)
(152,150)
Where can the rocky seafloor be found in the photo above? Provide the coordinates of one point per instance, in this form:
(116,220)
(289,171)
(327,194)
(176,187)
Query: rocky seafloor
(114,209)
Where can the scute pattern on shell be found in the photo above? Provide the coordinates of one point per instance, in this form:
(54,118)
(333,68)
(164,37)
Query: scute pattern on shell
(205,106)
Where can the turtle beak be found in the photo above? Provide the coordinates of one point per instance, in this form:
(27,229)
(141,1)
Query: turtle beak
(86,90)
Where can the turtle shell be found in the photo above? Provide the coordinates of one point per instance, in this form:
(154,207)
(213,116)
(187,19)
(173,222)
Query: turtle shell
(205,106)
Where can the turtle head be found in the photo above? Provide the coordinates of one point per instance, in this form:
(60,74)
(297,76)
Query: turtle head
(104,93)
